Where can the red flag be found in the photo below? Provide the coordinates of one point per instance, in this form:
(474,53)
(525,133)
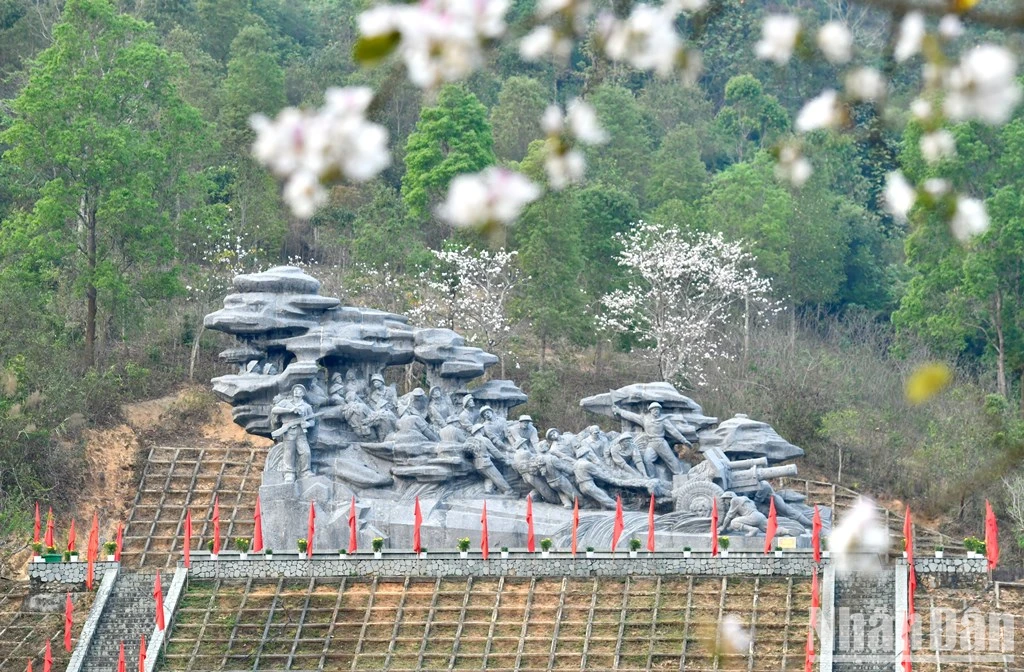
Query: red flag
(773,526)
(417,522)
(908,536)
(48,540)
(650,527)
(575,523)
(310,530)
(257,530)
(816,534)
(35,530)
(911,589)
(158,595)
(815,598)
(71,536)
(484,550)
(531,545)
(69,618)
(906,645)
(48,658)
(216,525)
(809,649)
(92,551)
(29,668)
(620,525)
(187,546)
(353,538)
(120,542)
(991,536)
(120,659)
(142,654)
(714,526)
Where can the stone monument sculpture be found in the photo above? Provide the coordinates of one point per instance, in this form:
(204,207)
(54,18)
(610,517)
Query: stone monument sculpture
(312,375)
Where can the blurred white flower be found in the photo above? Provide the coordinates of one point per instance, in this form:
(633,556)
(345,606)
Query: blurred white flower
(583,125)
(564,163)
(564,168)
(308,147)
(899,195)
(969,220)
(543,41)
(820,112)
(687,5)
(983,86)
(793,166)
(647,39)
(778,38)
(304,194)
(494,195)
(921,109)
(859,539)
(912,32)
(836,42)
(866,85)
(950,27)
(733,638)
(937,146)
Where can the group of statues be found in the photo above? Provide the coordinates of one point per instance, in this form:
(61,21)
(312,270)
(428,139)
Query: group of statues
(427,428)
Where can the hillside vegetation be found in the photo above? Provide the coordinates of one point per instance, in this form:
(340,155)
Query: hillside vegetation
(128,199)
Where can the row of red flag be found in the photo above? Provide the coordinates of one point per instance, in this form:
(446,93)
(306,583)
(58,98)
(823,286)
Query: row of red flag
(991,530)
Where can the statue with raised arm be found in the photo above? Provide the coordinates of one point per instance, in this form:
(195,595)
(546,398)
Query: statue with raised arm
(656,427)
(296,419)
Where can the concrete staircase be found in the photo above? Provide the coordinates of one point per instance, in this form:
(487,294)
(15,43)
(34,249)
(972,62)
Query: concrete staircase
(864,621)
(129,613)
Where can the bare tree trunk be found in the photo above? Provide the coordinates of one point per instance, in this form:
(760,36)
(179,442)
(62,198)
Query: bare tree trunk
(839,473)
(1001,387)
(746,328)
(792,325)
(90,289)
(195,353)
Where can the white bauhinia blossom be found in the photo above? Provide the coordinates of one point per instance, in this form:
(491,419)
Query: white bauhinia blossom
(470,291)
(647,39)
(983,87)
(912,32)
(793,166)
(563,162)
(969,220)
(937,146)
(936,187)
(859,539)
(820,112)
(733,638)
(682,293)
(562,22)
(778,38)
(492,196)
(581,119)
(921,109)
(564,168)
(899,195)
(439,40)
(866,85)
(950,27)
(309,147)
(543,41)
(836,42)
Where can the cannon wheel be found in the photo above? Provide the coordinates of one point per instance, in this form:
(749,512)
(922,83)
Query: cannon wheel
(696,496)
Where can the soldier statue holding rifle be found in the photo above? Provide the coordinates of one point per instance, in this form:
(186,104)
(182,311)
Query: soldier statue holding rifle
(296,418)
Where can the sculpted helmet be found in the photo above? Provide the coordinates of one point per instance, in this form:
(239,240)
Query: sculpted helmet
(299,386)
(376,377)
(525,418)
(477,428)
(551,433)
(654,405)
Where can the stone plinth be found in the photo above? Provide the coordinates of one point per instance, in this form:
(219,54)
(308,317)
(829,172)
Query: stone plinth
(57,577)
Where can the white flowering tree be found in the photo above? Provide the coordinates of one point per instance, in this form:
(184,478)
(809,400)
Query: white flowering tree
(684,293)
(470,292)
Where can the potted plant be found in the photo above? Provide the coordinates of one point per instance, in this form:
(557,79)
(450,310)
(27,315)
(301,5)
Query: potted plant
(242,544)
(939,550)
(904,548)
(74,556)
(975,547)
(302,545)
(687,551)
(545,547)
(110,548)
(67,556)
(504,551)
(464,547)
(37,552)
(378,546)
(423,552)
(825,553)
(590,551)
(209,546)
(342,553)
(778,551)
(723,543)
(634,547)
(52,555)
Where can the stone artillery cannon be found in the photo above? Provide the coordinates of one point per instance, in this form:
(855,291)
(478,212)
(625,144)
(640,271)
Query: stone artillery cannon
(717,474)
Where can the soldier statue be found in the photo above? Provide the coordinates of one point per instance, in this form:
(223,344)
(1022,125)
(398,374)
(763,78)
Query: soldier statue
(655,428)
(296,419)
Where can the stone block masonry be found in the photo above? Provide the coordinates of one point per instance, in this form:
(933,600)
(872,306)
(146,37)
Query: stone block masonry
(60,577)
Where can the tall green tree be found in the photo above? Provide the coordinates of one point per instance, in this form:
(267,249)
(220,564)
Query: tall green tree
(516,117)
(451,137)
(106,147)
(626,158)
(677,170)
(255,83)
